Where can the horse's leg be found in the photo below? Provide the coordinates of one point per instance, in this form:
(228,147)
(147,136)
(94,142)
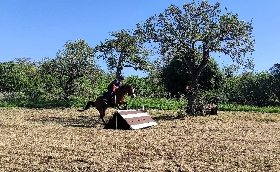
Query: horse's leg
(118,106)
(102,114)
(89,103)
(101,107)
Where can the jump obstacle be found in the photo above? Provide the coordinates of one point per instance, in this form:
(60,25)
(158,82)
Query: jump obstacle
(130,120)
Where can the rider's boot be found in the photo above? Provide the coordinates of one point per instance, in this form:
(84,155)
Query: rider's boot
(105,100)
(115,103)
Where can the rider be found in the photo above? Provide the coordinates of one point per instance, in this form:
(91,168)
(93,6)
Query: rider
(114,85)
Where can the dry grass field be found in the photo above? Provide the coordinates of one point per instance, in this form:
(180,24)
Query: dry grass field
(67,140)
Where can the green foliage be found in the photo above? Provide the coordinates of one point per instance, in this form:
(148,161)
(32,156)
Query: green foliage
(199,28)
(214,96)
(156,103)
(275,72)
(150,93)
(20,79)
(194,32)
(257,90)
(125,50)
(231,89)
(147,86)
(247,108)
(12,78)
(70,65)
(250,89)
(176,75)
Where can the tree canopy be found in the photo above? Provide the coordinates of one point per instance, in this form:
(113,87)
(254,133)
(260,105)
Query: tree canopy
(176,76)
(73,62)
(124,50)
(196,31)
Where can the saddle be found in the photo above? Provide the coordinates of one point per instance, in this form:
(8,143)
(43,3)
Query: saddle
(106,96)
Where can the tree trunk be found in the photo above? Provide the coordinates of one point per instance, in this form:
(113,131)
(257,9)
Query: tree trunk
(192,96)
(119,71)
(68,88)
(119,67)
(195,71)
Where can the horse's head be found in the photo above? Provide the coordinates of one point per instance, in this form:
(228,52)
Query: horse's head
(129,90)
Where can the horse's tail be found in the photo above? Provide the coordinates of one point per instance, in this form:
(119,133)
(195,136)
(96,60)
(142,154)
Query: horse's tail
(90,103)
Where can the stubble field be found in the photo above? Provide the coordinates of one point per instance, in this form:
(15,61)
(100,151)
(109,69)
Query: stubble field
(67,140)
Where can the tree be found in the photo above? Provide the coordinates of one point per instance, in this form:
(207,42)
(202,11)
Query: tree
(230,70)
(11,79)
(198,30)
(20,78)
(275,72)
(176,76)
(147,86)
(255,89)
(74,62)
(125,50)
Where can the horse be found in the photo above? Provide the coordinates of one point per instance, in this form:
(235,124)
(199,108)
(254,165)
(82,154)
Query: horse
(115,101)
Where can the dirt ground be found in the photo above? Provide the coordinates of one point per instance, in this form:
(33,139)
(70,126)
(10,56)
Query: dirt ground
(67,140)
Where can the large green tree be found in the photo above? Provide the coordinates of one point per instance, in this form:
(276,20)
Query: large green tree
(72,63)
(124,50)
(196,31)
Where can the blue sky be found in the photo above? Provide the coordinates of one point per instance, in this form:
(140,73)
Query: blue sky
(39,28)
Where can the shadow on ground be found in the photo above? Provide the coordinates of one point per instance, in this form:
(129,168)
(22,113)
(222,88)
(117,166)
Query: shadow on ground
(166,118)
(80,121)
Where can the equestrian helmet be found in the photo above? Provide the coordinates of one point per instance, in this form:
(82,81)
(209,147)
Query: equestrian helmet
(121,77)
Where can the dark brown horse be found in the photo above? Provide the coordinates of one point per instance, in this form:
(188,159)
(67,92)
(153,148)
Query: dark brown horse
(115,101)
